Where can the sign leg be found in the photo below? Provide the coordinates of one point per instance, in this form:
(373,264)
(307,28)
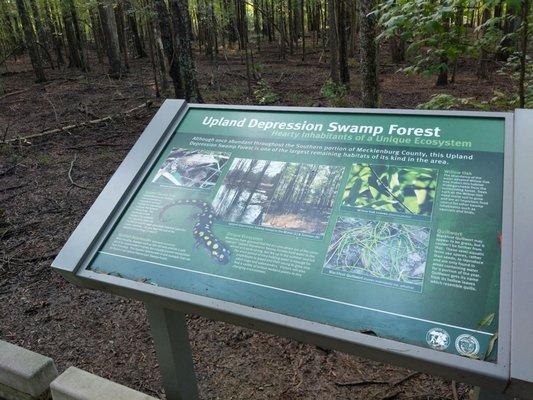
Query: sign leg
(485,394)
(171,339)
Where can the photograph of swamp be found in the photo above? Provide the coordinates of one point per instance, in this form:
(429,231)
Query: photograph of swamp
(276,194)
(198,169)
(389,188)
(376,251)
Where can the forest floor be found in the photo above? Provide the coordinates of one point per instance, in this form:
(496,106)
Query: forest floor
(48,183)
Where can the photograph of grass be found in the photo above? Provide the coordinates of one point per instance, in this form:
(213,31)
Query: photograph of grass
(376,251)
(407,190)
(281,195)
(198,169)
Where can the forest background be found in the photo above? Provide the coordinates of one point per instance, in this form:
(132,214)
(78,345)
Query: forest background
(79,80)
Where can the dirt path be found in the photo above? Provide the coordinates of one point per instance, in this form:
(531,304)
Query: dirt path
(46,186)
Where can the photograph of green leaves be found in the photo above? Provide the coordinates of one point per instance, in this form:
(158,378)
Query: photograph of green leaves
(391,189)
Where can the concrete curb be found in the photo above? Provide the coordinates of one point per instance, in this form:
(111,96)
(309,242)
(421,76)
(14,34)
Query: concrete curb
(23,373)
(76,384)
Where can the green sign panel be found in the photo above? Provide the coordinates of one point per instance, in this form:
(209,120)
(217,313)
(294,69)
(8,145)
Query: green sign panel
(385,224)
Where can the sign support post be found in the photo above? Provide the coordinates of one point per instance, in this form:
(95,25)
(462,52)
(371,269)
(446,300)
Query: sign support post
(171,340)
(484,394)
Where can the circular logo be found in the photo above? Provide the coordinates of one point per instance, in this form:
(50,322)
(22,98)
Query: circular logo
(438,339)
(467,345)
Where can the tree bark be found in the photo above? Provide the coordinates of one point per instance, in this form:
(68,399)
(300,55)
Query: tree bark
(442,77)
(54,33)
(169,47)
(302,26)
(109,29)
(121,33)
(182,24)
(70,21)
(524,36)
(509,26)
(397,48)
(31,44)
(41,32)
(482,70)
(132,22)
(332,36)
(344,71)
(369,54)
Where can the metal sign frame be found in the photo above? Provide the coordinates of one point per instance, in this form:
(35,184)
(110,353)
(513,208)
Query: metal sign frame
(79,250)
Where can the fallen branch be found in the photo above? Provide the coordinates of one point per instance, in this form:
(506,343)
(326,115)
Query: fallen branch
(12,187)
(14,93)
(70,175)
(361,383)
(76,126)
(454,391)
(388,393)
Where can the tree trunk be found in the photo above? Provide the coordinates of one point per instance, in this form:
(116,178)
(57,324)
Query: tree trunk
(54,33)
(70,21)
(369,54)
(344,71)
(482,70)
(41,32)
(169,47)
(397,48)
(31,44)
(509,27)
(121,33)
(442,77)
(302,26)
(97,36)
(332,34)
(524,36)
(109,29)
(182,24)
(132,22)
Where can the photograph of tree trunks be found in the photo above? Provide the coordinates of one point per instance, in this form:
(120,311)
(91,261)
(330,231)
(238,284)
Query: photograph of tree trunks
(389,188)
(282,195)
(382,252)
(192,168)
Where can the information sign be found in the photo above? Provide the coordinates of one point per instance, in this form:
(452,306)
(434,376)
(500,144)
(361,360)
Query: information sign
(381,230)
(389,225)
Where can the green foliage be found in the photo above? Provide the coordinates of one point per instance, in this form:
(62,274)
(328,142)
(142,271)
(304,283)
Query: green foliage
(392,189)
(445,101)
(501,100)
(510,101)
(337,95)
(264,94)
(428,26)
(436,31)
(258,68)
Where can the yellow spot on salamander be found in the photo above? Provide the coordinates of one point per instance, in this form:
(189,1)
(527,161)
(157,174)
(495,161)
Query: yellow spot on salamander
(215,246)
(209,243)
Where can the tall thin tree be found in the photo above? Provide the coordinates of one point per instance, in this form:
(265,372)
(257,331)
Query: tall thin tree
(524,38)
(169,46)
(369,54)
(182,25)
(31,42)
(109,29)
(333,46)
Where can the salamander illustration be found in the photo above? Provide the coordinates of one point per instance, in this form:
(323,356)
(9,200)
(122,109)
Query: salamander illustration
(202,229)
